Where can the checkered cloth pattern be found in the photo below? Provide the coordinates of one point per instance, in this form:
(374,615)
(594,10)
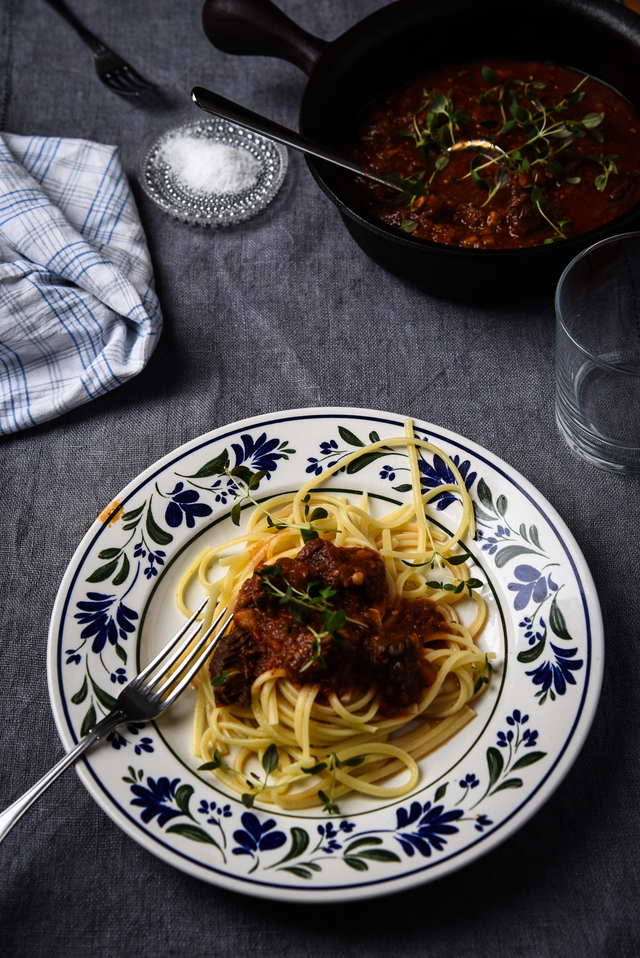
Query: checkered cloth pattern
(78,311)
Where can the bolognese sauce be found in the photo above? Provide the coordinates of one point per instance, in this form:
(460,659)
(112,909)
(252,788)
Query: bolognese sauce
(565,156)
(380,639)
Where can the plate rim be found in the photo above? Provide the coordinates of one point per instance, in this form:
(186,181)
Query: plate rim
(518,815)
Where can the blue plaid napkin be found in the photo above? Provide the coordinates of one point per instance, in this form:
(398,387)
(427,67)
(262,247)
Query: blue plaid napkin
(78,311)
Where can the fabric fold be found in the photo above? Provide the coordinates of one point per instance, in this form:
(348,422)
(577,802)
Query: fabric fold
(78,310)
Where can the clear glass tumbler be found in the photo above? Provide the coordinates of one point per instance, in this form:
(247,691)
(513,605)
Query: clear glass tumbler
(598,354)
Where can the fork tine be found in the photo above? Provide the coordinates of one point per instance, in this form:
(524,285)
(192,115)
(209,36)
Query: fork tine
(126,81)
(162,655)
(181,645)
(194,661)
(138,79)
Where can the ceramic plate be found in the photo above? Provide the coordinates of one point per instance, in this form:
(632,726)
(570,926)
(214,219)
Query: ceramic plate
(115,608)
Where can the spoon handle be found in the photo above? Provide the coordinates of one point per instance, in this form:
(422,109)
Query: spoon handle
(213,103)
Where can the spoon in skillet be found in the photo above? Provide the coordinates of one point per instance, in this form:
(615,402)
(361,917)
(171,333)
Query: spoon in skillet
(212,102)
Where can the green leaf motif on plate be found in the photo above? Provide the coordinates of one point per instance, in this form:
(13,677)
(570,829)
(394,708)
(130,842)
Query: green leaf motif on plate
(103,572)
(557,621)
(88,722)
(81,694)
(510,552)
(124,572)
(158,535)
(527,760)
(350,437)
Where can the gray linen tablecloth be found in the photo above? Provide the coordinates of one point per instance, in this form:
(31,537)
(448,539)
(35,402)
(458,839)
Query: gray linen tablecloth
(286,311)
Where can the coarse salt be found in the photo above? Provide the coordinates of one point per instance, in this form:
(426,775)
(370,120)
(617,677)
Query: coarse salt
(207,166)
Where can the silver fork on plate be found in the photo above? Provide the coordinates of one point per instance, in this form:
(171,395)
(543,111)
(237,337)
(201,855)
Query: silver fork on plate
(139,701)
(115,72)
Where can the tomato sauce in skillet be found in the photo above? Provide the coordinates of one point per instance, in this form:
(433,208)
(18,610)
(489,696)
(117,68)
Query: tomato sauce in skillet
(572,160)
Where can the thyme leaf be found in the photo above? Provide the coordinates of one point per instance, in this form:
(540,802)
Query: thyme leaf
(483,674)
(334,762)
(216,763)
(270,761)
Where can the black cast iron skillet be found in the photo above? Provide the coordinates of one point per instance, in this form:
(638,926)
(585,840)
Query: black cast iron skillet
(395,44)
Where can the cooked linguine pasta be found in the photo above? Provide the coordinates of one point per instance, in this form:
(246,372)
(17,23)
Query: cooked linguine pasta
(317,736)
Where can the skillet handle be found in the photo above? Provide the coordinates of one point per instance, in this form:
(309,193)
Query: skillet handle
(259,28)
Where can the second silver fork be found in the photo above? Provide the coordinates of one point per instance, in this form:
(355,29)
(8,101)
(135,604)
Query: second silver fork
(111,68)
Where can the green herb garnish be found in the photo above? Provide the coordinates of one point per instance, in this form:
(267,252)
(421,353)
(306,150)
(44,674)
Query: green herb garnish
(334,762)
(303,604)
(270,761)
(483,674)
(216,763)
(548,133)
(468,584)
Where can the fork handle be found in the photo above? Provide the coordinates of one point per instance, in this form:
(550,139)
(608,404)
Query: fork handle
(92,41)
(10,815)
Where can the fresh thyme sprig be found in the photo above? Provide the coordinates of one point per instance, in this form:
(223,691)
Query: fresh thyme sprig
(302,604)
(608,166)
(216,763)
(246,482)
(334,762)
(483,674)
(546,130)
(220,679)
(468,584)
(270,761)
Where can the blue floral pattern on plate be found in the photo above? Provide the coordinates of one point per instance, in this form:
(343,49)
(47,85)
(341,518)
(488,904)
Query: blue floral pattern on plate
(549,654)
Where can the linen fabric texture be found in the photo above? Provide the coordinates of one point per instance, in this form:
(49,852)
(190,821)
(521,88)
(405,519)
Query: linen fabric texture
(78,310)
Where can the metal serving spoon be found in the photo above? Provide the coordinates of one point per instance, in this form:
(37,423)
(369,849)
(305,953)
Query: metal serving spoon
(213,103)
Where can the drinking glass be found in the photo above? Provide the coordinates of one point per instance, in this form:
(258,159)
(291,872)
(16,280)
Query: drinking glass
(598,354)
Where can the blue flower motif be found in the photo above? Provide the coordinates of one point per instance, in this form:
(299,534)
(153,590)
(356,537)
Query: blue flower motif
(159,557)
(531,585)
(517,718)
(209,808)
(328,448)
(505,740)
(346,826)
(260,452)
(72,656)
(482,822)
(154,799)
(469,781)
(139,552)
(185,504)
(314,466)
(433,824)
(257,836)
(222,494)
(116,740)
(439,475)
(531,636)
(329,834)
(387,473)
(491,543)
(119,676)
(557,674)
(102,626)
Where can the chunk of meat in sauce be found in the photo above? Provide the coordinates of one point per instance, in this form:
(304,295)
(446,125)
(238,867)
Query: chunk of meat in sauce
(458,210)
(383,645)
